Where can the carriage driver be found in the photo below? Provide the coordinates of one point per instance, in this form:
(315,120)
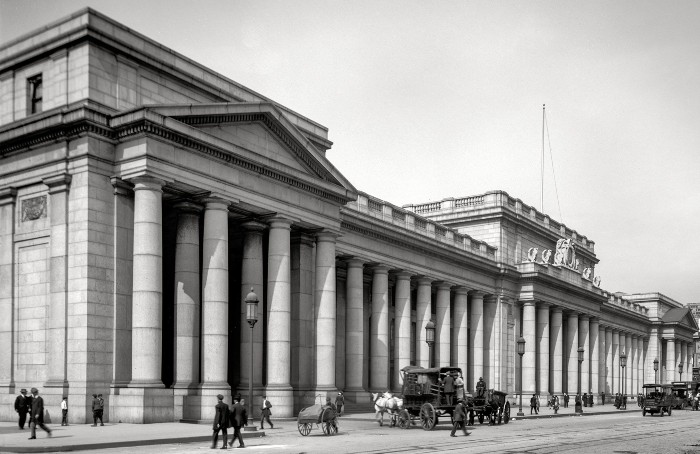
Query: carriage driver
(480,387)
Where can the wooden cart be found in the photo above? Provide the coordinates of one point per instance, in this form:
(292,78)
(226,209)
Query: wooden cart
(321,415)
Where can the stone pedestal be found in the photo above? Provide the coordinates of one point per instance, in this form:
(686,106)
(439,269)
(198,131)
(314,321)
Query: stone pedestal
(142,405)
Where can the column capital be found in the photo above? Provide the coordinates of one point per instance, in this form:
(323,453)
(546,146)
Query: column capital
(215,203)
(253,226)
(296,237)
(279,222)
(490,298)
(403,275)
(8,196)
(57,183)
(424,280)
(326,235)
(557,309)
(529,303)
(380,269)
(188,207)
(477,294)
(354,262)
(121,187)
(443,285)
(584,317)
(147,183)
(460,290)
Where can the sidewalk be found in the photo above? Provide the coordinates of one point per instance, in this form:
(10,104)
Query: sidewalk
(81,437)
(570,411)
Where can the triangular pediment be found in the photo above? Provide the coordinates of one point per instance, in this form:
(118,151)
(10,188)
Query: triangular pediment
(255,137)
(680,316)
(262,132)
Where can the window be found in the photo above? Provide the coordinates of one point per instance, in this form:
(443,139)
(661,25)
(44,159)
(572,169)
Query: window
(34,90)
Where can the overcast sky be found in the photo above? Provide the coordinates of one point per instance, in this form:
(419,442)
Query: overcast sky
(428,100)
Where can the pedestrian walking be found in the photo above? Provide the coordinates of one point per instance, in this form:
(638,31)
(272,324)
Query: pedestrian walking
(220,422)
(339,403)
(266,413)
(585,399)
(533,404)
(64,411)
(459,418)
(238,417)
(602,398)
(37,415)
(566,400)
(555,404)
(22,407)
(578,408)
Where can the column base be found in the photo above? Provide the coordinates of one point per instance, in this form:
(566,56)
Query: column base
(199,403)
(357,396)
(141,405)
(282,400)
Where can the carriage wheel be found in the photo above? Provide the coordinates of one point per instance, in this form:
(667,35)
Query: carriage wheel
(481,418)
(506,413)
(305,428)
(404,419)
(428,416)
(327,419)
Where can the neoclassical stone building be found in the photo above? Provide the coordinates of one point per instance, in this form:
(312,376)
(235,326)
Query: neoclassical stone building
(143,195)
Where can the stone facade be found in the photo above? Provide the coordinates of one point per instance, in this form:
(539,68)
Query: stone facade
(143,195)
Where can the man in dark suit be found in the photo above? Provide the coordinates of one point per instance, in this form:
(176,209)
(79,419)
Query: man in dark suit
(459,417)
(21,407)
(37,416)
(220,422)
(238,417)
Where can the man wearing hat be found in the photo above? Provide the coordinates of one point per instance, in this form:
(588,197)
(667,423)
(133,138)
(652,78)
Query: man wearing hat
(21,407)
(459,417)
(100,409)
(339,402)
(37,415)
(238,417)
(220,422)
(95,406)
(480,387)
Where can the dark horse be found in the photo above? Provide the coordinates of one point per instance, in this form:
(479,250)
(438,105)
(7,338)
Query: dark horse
(487,407)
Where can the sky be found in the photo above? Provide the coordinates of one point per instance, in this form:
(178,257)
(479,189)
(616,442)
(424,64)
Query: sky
(429,100)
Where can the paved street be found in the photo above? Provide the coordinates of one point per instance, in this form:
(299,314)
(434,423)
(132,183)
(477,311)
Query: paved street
(618,433)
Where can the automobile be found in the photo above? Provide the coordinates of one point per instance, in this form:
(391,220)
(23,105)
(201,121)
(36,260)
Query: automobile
(683,392)
(658,398)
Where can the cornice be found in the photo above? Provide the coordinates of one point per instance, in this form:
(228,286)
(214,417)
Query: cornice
(62,124)
(418,243)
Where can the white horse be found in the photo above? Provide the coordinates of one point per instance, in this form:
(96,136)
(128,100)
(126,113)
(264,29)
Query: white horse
(385,403)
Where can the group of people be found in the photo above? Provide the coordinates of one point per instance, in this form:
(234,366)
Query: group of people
(453,385)
(98,408)
(34,406)
(620,401)
(236,416)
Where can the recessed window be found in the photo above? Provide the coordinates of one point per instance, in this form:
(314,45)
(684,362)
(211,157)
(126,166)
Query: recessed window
(35,91)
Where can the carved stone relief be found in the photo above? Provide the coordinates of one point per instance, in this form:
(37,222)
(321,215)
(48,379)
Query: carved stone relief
(34,208)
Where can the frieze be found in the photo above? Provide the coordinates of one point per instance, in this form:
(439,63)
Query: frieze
(34,208)
(564,256)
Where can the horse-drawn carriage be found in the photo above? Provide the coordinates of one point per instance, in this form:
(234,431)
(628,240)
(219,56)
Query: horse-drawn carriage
(424,397)
(323,415)
(492,405)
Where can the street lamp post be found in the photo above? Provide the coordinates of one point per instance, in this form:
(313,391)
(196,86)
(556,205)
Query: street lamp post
(430,340)
(680,371)
(579,406)
(623,363)
(521,352)
(656,368)
(251,315)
